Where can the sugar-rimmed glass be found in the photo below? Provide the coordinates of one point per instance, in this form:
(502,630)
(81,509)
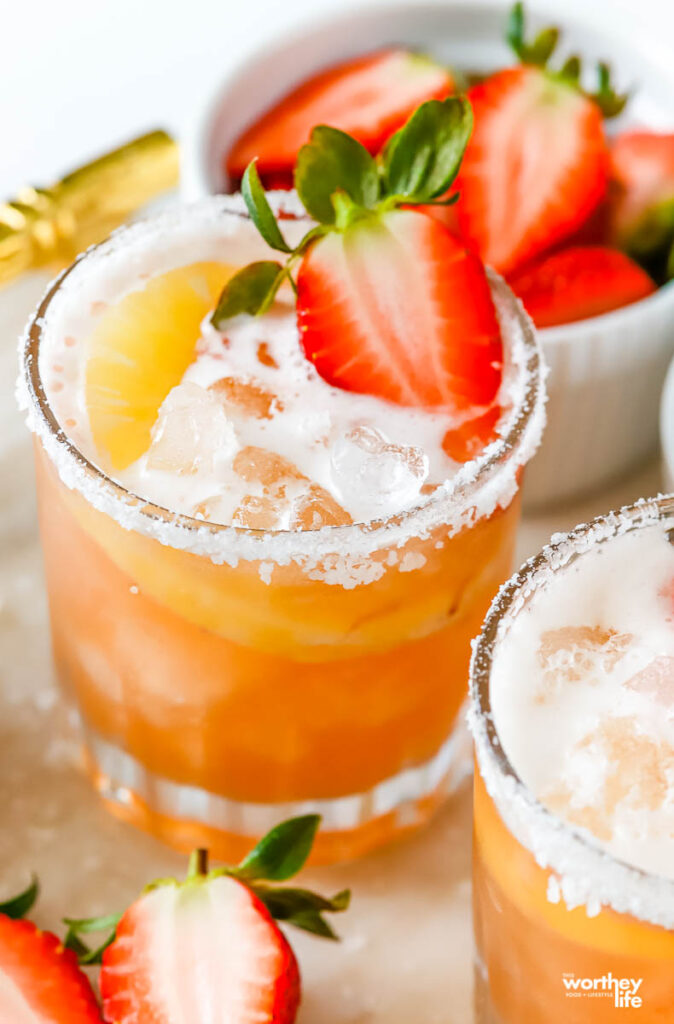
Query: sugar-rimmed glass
(561,925)
(226,678)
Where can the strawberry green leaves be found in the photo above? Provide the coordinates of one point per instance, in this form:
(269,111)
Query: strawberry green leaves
(303,909)
(77,927)
(251,291)
(282,852)
(333,162)
(538,52)
(260,211)
(19,905)
(418,164)
(610,102)
(277,857)
(340,182)
(422,159)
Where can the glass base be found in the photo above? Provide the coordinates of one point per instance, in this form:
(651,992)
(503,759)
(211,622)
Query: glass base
(186,816)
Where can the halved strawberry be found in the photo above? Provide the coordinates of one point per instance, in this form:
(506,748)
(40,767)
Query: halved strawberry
(642,195)
(395,306)
(536,166)
(201,951)
(534,169)
(370,98)
(207,949)
(40,981)
(580,282)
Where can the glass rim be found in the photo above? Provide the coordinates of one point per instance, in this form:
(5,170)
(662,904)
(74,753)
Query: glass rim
(150,516)
(499,774)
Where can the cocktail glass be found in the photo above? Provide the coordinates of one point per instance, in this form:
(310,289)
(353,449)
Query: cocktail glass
(565,932)
(228,678)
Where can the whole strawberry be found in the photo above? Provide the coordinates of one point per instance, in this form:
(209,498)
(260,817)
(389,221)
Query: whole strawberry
(536,166)
(208,949)
(40,981)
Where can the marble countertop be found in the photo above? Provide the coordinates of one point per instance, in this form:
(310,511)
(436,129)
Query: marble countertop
(407,947)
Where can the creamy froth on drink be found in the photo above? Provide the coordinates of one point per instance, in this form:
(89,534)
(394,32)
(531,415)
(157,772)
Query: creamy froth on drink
(583,695)
(250,434)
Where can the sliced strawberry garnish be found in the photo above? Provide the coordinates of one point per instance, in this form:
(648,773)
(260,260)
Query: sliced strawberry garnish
(534,169)
(642,193)
(389,301)
(536,166)
(580,282)
(370,98)
(189,952)
(40,981)
(397,307)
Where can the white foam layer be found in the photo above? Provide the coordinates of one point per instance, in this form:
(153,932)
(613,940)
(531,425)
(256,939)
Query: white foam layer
(202,232)
(573,687)
(306,421)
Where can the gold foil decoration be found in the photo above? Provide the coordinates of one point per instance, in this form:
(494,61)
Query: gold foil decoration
(50,226)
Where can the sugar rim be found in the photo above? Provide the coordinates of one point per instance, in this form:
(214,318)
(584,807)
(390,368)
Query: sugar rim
(476,489)
(586,874)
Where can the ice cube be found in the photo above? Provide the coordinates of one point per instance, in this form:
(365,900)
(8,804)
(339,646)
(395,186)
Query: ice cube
(375,476)
(259,512)
(572,653)
(212,510)
(656,680)
(259,465)
(192,432)
(315,508)
(245,397)
(615,771)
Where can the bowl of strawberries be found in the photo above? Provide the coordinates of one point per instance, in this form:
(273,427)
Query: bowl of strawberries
(566,189)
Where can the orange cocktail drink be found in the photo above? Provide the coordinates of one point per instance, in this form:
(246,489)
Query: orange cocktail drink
(573,688)
(235,656)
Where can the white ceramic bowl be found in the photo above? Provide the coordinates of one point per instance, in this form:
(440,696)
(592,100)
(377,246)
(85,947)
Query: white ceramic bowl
(605,373)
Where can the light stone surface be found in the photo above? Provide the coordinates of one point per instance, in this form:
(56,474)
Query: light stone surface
(406,949)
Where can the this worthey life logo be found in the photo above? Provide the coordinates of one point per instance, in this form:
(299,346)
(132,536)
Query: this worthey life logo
(625,992)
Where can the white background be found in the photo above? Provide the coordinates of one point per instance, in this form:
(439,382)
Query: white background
(79,76)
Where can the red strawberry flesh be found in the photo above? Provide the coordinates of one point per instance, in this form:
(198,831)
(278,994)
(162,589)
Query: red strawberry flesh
(369,98)
(580,282)
(535,167)
(397,307)
(206,951)
(40,981)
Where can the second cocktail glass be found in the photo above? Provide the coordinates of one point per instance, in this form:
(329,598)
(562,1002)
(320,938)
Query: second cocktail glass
(567,932)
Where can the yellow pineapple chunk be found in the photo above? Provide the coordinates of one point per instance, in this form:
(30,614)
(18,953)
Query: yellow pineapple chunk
(139,350)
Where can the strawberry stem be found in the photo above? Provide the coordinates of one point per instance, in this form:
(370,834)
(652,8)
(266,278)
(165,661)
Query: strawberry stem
(198,864)
(346,210)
